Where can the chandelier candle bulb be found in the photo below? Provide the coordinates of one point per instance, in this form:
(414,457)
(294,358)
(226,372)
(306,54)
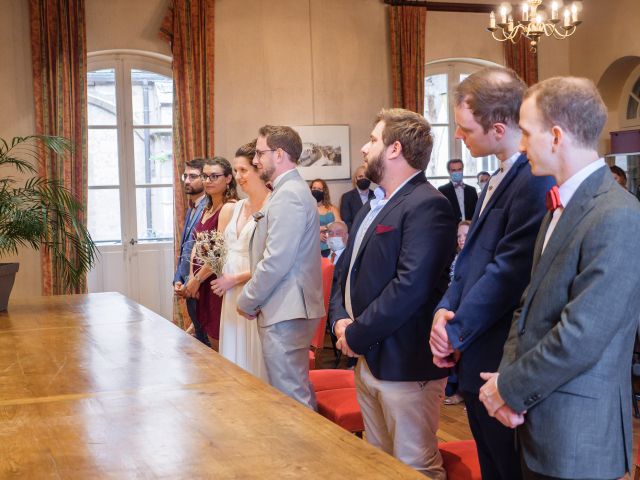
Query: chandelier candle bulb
(492,20)
(554,11)
(574,13)
(510,26)
(567,20)
(525,12)
(503,15)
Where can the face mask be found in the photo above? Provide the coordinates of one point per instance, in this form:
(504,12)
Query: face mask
(363,183)
(482,185)
(318,195)
(456,177)
(335,243)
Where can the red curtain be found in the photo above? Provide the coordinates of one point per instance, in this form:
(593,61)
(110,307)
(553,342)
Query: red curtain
(59,55)
(407,26)
(189,27)
(522,60)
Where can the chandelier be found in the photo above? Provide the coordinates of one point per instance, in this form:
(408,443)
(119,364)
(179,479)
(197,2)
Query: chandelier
(534,23)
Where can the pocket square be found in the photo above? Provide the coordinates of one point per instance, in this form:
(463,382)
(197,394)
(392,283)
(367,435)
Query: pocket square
(384,229)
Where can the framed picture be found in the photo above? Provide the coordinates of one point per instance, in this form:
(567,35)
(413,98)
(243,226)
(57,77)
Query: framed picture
(325,152)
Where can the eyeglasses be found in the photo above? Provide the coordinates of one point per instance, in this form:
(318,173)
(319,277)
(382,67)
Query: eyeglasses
(260,153)
(211,178)
(190,176)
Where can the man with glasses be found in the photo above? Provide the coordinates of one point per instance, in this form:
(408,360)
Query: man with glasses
(284,293)
(194,189)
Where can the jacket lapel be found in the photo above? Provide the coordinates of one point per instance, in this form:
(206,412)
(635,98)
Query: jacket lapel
(581,203)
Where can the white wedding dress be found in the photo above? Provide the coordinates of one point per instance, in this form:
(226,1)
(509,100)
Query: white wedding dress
(239,341)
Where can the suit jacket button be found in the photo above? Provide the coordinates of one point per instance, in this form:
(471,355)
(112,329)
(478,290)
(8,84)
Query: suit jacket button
(522,332)
(461,338)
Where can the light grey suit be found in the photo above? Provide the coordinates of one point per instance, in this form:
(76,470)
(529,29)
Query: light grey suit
(567,360)
(285,290)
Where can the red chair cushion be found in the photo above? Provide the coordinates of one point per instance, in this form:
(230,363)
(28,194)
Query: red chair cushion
(461,460)
(341,407)
(330,379)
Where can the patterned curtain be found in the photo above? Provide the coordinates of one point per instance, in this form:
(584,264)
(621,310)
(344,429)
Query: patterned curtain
(407,56)
(189,27)
(59,55)
(522,60)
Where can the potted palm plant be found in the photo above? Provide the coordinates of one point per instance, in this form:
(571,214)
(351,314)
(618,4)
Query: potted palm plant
(40,213)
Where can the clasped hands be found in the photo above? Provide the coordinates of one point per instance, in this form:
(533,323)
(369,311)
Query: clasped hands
(445,356)
(339,329)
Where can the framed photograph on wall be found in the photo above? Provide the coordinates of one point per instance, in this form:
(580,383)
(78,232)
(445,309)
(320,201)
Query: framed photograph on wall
(325,152)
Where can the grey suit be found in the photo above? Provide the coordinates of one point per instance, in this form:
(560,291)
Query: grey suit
(568,356)
(285,290)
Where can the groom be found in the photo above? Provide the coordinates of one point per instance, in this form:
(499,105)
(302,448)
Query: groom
(285,290)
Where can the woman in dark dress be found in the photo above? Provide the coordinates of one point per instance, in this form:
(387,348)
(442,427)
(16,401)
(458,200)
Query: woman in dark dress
(220,187)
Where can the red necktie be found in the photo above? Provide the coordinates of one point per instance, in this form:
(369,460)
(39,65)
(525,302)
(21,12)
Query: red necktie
(553,199)
(192,204)
(333,257)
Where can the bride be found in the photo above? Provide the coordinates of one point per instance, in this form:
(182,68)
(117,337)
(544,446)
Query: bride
(239,341)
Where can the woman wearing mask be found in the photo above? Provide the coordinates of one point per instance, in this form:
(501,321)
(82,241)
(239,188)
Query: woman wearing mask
(353,200)
(220,188)
(326,210)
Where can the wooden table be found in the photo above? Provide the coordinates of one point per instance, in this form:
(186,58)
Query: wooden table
(97,386)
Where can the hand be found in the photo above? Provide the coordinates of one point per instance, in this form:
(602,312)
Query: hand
(508,417)
(323,234)
(340,326)
(439,340)
(447,362)
(344,347)
(178,289)
(191,288)
(245,314)
(222,284)
(489,394)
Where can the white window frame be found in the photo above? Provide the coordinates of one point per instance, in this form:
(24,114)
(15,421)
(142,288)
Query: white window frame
(627,91)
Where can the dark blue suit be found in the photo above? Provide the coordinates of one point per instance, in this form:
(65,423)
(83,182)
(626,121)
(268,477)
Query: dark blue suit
(491,273)
(350,205)
(182,269)
(397,279)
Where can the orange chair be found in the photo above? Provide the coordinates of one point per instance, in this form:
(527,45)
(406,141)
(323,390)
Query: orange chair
(461,460)
(337,401)
(317,342)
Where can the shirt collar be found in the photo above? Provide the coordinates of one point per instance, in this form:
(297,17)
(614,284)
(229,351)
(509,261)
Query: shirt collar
(509,162)
(379,192)
(569,187)
(198,200)
(279,178)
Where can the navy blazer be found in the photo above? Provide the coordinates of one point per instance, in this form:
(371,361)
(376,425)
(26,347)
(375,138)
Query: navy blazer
(492,271)
(186,243)
(470,199)
(397,278)
(350,205)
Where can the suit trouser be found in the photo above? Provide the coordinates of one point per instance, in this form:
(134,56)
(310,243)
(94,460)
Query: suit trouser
(401,418)
(530,475)
(285,347)
(192,307)
(496,443)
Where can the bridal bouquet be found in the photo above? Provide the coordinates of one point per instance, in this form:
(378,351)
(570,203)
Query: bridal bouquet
(211,250)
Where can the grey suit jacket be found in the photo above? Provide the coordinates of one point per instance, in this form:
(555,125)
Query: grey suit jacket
(286,275)
(567,360)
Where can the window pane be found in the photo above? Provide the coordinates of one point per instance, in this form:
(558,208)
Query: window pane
(152,96)
(103,215)
(153,151)
(103,157)
(436,106)
(440,153)
(474,165)
(632,108)
(101,97)
(154,207)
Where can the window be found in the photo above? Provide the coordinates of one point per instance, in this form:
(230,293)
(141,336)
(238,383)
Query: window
(630,101)
(439,83)
(130,154)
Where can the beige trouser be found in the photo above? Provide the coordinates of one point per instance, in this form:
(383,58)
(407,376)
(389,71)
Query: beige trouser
(401,418)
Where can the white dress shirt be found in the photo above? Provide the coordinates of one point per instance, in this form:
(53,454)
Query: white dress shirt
(566,191)
(497,177)
(459,189)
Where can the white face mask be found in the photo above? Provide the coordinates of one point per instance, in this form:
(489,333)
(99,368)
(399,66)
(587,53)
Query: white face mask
(335,243)
(481,185)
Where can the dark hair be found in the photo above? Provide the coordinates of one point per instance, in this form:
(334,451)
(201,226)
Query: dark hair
(326,201)
(412,131)
(197,163)
(483,172)
(493,94)
(248,150)
(454,160)
(283,137)
(618,171)
(574,104)
(230,193)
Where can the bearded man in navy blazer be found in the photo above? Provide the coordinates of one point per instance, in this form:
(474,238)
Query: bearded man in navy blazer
(493,268)
(394,271)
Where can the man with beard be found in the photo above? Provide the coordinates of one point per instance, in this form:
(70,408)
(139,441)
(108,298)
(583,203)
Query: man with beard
(285,289)
(381,310)
(353,200)
(194,189)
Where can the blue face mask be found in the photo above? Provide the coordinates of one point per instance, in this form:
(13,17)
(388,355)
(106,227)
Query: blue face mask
(456,177)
